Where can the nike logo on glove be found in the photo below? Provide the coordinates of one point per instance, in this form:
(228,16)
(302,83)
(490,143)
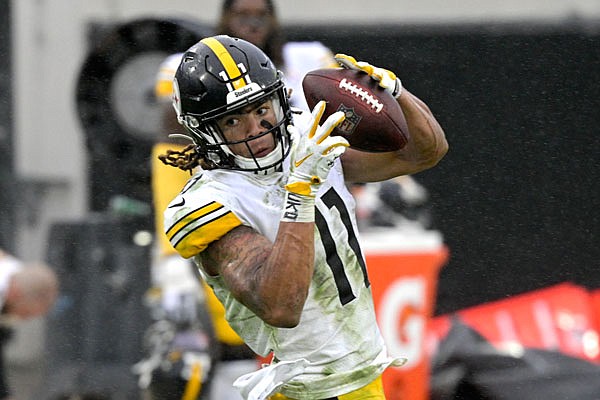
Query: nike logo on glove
(299,162)
(182,202)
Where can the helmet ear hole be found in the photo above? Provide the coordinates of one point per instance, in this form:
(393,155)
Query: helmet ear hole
(192,122)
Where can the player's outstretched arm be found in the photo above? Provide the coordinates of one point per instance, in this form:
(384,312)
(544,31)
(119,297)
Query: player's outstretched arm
(272,279)
(427,144)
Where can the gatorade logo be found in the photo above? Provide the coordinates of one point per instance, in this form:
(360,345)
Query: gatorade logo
(402,319)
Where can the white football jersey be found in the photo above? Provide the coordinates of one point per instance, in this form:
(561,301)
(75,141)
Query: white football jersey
(337,334)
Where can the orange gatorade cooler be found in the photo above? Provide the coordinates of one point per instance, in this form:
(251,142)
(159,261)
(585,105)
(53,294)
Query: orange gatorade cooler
(403,267)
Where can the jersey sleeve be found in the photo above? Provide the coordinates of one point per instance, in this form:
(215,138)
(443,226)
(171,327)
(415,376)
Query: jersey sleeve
(192,229)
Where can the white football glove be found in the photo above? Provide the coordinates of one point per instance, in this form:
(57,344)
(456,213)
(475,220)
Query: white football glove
(386,78)
(313,153)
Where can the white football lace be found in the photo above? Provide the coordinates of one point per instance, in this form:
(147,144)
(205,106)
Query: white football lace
(359,92)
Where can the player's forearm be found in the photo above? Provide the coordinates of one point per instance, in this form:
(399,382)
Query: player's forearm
(427,144)
(287,273)
(271,279)
(273,282)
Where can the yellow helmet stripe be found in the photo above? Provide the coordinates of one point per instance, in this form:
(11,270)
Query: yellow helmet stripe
(228,62)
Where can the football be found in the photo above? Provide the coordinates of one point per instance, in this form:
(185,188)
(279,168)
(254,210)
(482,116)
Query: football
(374,120)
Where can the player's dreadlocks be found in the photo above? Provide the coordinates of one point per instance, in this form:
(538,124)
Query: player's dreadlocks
(186,159)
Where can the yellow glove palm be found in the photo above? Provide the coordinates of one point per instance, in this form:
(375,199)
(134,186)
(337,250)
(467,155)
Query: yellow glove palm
(313,153)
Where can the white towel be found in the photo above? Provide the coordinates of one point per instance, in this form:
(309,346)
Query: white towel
(261,384)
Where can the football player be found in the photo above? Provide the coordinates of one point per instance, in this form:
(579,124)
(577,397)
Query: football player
(269,222)
(257,22)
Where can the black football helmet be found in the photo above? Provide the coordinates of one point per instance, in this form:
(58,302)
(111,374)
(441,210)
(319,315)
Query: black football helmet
(179,364)
(221,74)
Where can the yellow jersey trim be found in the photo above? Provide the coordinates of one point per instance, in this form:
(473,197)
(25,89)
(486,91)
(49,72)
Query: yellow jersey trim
(192,233)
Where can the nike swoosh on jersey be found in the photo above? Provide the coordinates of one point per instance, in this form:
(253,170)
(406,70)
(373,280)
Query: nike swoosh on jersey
(181,203)
(299,162)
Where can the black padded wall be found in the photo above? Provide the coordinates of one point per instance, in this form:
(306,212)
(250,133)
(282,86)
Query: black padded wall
(95,332)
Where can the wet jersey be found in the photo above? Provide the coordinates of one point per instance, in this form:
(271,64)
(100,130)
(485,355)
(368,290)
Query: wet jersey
(337,333)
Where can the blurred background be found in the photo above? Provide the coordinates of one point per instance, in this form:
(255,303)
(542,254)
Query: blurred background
(515,84)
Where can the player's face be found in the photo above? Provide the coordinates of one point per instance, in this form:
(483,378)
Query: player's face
(250,122)
(250,20)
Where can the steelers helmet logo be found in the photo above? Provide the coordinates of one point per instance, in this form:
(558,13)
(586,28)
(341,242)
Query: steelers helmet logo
(176,98)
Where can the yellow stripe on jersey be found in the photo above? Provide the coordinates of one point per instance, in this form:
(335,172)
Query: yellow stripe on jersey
(228,62)
(191,217)
(192,233)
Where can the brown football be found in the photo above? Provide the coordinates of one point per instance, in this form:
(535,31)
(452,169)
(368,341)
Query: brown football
(374,120)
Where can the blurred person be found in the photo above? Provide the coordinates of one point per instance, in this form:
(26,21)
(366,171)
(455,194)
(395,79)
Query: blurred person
(257,217)
(398,203)
(27,290)
(256,21)
(409,200)
(179,364)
